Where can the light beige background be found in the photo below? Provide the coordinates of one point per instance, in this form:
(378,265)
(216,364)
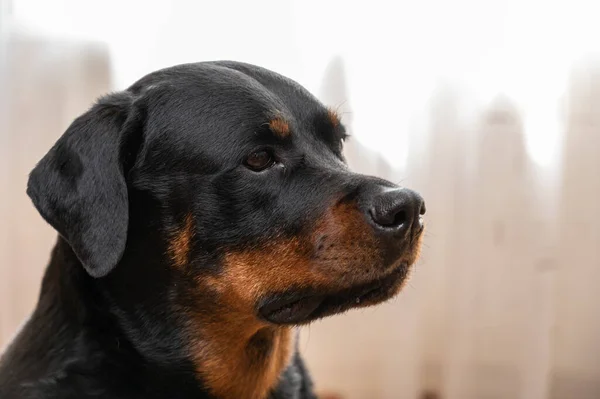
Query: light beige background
(504,303)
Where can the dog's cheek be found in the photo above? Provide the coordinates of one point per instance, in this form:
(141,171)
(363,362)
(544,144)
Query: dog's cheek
(340,246)
(276,267)
(345,243)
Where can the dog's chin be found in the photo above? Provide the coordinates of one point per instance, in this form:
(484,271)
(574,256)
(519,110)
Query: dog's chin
(301,307)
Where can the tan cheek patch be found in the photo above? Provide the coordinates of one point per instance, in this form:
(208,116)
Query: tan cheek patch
(181,242)
(280,265)
(280,127)
(275,267)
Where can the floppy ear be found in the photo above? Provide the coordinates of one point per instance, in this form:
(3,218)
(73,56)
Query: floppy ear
(79,187)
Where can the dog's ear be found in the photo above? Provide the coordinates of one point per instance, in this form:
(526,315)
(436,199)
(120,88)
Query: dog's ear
(80,187)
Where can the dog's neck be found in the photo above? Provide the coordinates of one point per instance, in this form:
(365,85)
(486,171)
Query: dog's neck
(230,359)
(239,358)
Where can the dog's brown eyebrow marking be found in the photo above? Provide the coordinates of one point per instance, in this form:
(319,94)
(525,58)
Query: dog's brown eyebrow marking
(180,243)
(334,117)
(279,126)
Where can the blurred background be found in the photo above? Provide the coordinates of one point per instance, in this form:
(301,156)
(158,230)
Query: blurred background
(489,108)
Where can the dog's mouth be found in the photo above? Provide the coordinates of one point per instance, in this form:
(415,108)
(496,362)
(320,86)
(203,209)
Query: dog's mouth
(301,307)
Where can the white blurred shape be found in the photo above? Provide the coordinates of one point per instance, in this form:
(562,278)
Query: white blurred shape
(394,52)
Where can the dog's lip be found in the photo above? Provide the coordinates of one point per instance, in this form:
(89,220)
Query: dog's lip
(291,310)
(298,307)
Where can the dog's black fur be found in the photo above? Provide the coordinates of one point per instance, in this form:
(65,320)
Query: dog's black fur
(114,314)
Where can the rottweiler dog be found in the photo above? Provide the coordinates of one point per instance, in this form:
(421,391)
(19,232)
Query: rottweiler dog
(202,214)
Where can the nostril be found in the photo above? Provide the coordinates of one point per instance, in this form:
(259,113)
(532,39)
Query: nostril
(391,217)
(400,218)
(423,209)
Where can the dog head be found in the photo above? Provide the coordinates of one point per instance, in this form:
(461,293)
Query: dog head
(218,191)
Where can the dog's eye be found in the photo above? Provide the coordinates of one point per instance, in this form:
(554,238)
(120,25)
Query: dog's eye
(259,160)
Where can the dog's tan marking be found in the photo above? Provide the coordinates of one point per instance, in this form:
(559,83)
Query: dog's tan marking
(238,355)
(241,356)
(279,126)
(334,117)
(245,362)
(180,243)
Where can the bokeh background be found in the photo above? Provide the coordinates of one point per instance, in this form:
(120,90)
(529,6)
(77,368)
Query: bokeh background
(489,108)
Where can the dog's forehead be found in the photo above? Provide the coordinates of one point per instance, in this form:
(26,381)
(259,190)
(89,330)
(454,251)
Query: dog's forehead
(220,111)
(220,106)
(240,90)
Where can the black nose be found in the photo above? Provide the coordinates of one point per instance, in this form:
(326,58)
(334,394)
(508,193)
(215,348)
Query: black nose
(398,209)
